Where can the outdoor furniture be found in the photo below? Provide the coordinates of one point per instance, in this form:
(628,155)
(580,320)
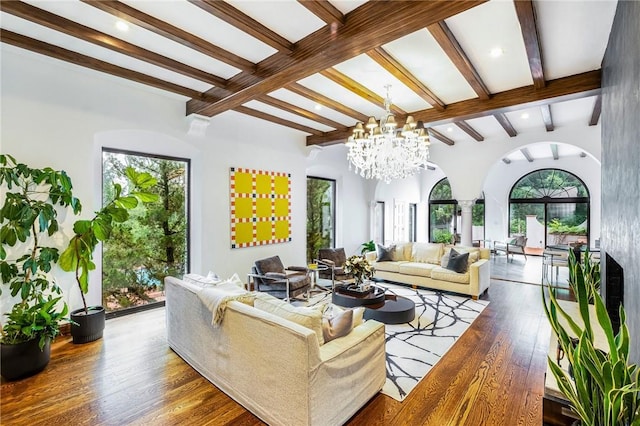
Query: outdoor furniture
(515,245)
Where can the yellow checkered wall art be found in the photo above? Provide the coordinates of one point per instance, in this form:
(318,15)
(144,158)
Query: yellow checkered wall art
(260,207)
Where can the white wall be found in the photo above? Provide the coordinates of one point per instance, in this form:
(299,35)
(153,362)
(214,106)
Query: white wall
(60,115)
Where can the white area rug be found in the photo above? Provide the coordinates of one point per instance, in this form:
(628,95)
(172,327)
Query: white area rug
(414,348)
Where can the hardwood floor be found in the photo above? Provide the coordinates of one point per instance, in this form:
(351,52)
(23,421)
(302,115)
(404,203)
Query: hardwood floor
(494,375)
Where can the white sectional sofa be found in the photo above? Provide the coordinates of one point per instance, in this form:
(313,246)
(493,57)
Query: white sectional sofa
(420,264)
(276,368)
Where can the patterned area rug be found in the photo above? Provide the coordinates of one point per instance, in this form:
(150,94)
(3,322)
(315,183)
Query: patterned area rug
(414,348)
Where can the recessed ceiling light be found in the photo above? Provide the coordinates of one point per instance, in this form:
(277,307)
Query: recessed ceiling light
(318,107)
(122,26)
(496,52)
(449,129)
(524,115)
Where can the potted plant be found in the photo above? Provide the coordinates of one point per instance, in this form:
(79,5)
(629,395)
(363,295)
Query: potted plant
(367,247)
(601,385)
(359,267)
(88,322)
(28,216)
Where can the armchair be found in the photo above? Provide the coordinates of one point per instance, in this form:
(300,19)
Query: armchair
(270,276)
(514,246)
(334,258)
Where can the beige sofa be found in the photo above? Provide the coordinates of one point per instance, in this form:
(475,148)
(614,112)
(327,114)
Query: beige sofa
(420,264)
(275,368)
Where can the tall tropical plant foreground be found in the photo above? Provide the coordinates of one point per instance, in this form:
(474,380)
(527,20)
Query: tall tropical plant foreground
(28,216)
(78,256)
(603,388)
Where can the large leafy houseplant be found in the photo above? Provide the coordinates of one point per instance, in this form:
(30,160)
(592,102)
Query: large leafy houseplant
(78,256)
(28,215)
(603,387)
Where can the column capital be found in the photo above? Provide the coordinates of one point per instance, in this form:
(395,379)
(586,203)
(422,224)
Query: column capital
(466,205)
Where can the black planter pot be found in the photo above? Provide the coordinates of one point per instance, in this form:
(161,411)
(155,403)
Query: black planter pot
(89,326)
(24,359)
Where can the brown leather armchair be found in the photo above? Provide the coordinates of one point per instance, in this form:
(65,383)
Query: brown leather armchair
(334,258)
(270,276)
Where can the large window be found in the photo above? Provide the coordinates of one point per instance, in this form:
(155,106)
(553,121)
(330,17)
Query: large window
(549,207)
(445,215)
(378,225)
(153,243)
(321,201)
(413,221)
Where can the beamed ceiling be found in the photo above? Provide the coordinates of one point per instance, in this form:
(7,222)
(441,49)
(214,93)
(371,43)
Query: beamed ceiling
(320,66)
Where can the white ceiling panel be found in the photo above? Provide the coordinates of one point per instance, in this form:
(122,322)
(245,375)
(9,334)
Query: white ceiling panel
(573,35)
(287,115)
(454,133)
(188,17)
(106,23)
(493,25)
(426,60)
(572,111)
(289,19)
(487,127)
(346,6)
(333,90)
(309,105)
(56,38)
(526,119)
(369,73)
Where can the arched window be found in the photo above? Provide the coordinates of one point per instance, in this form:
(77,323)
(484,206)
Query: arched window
(445,215)
(549,207)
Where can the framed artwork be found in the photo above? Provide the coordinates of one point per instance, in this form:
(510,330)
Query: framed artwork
(260,207)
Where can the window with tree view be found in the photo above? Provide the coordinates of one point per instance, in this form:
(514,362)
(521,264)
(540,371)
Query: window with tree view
(153,243)
(321,195)
(549,207)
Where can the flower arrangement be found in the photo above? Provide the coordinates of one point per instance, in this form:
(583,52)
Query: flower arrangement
(359,267)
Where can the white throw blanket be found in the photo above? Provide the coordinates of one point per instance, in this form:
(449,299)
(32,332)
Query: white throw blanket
(216,300)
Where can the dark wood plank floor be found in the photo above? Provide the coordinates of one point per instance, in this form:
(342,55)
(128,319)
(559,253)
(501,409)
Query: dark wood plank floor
(493,375)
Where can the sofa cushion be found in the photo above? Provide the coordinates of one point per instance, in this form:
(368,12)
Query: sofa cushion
(443,274)
(458,262)
(427,252)
(402,251)
(385,254)
(309,317)
(474,254)
(387,266)
(200,280)
(416,268)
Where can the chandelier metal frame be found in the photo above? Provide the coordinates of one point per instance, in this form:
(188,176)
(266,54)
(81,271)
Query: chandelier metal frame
(383,151)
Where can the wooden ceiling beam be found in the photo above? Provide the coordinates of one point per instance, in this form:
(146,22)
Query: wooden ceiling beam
(527,154)
(466,127)
(560,90)
(164,29)
(325,11)
(547,118)
(357,88)
(597,110)
(506,160)
(285,106)
(76,58)
(66,26)
(277,120)
(554,151)
(506,124)
(437,135)
(447,41)
(527,17)
(395,68)
(369,26)
(325,101)
(245,23)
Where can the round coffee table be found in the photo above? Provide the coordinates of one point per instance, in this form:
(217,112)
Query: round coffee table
(375,298)
(396,310)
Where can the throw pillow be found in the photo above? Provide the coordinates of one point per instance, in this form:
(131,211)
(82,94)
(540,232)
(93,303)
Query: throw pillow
(309,317)
(385,254)
(458,261)
(338,326)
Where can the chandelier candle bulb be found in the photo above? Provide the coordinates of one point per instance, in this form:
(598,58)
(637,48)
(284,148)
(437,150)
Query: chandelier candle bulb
(387,152)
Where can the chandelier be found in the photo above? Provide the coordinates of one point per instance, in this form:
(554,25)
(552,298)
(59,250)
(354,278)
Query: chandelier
(383,151)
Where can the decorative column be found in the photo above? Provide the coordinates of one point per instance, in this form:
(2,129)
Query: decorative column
(467,221)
